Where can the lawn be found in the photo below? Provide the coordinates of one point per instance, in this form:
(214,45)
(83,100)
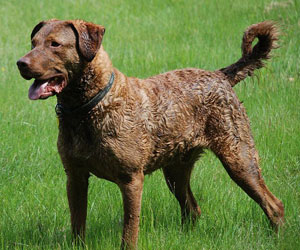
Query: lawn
(145,38)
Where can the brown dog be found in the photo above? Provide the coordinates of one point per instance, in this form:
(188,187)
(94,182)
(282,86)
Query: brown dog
(120,128)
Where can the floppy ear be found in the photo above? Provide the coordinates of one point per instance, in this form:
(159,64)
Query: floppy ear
(37,28)
(89,38)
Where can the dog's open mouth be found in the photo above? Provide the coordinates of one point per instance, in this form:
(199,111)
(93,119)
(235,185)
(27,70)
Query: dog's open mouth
(42,89)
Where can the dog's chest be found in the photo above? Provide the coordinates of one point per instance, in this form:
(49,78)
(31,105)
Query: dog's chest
(93,152)
(77,141)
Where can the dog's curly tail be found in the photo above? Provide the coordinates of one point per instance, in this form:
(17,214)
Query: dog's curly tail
(252,58)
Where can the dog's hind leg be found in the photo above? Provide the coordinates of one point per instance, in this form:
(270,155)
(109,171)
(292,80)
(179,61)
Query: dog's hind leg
(178,177)
(240,159)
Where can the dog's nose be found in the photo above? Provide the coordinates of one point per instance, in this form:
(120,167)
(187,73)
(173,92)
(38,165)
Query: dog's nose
(23,63)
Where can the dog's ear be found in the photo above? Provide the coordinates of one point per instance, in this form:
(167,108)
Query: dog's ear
(37,28)
(89,38)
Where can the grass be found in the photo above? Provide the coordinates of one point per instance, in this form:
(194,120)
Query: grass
(144,38)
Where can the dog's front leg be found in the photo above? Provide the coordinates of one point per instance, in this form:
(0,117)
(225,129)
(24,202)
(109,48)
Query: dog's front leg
(132,198)
(77,189)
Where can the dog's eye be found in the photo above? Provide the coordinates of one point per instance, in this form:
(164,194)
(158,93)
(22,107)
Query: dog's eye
(55,44)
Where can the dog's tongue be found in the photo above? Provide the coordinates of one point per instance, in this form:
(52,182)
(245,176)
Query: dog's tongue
(36,90)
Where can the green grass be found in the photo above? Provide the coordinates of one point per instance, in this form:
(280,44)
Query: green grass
(144,38)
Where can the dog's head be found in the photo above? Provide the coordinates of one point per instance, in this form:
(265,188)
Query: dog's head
(59,51)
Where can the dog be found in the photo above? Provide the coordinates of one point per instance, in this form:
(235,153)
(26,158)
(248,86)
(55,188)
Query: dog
(121,128)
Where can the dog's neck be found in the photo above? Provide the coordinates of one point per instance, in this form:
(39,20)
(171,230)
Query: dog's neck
(88,83)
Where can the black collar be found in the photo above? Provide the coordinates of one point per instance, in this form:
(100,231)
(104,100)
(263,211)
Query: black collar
(62,111)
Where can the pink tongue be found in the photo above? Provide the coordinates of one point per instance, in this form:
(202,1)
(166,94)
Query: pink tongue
(36,90)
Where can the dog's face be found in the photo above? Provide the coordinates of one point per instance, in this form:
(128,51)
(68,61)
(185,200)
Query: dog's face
(60,49)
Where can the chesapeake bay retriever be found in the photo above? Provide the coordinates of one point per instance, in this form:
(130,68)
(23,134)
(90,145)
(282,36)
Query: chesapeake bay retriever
(121,128)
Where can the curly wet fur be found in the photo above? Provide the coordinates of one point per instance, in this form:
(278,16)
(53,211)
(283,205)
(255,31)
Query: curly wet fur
(252,58)
(141,125)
